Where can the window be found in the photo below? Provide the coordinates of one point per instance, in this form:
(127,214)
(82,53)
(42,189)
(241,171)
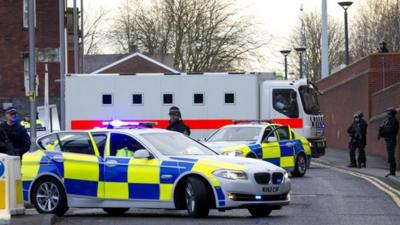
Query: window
(285,102)
(107,99)
(79,143)
(100,139)
(123,145)
(168,99)
(240,134)
(269,132)
(229,98)
(26,13)
(283,133)
(198,98)
(137,99)
(310,100)
(49,143)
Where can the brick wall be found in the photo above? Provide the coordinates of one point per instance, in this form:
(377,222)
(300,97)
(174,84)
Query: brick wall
(14,44)
(370,85)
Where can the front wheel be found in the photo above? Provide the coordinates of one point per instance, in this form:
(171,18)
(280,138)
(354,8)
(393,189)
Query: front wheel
(48,196)
(196,197)
(260,211)
(300,166)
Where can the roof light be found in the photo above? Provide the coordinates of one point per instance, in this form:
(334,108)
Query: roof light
(128,124)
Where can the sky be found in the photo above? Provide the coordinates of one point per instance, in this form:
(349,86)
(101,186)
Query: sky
(276,18)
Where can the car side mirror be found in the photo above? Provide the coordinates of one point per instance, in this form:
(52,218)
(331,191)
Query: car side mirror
(142,154)
(271,139)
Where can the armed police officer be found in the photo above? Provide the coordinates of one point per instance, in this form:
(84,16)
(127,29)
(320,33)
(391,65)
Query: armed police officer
(176,123)
(358,134)
(14,139)
(389,130)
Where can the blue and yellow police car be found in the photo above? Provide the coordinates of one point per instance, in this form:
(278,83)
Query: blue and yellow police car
(274,143)
(118,169)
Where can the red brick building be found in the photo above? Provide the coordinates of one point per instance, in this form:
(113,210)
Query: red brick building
(14,49)
(370,85)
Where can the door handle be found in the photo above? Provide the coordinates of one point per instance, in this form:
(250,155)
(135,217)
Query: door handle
(289,144)
(58,158)
(111,163)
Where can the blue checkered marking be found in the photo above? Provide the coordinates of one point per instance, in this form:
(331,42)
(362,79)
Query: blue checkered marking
(220,193)
(119,173)
(285,150)
(81,187)
(221,203)
(257,149)
(298,146)
(25,187)
(275,161)
(169,168)
(50,166)
(144,191)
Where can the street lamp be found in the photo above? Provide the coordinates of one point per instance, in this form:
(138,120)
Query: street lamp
(301,50)
(285,53)
(345,5)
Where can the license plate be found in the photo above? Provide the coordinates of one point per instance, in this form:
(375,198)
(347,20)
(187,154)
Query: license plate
(270,189)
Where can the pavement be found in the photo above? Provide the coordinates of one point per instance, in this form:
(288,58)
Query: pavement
(376,165)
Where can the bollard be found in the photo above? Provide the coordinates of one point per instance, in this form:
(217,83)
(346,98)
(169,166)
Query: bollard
(15,186)
(4,195)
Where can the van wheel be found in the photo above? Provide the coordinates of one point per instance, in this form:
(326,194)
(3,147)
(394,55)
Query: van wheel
(196,197)
(300,166)
(48,196)
(116,211)
(260,211)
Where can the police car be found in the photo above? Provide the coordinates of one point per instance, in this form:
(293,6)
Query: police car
(116,169)
(274,143)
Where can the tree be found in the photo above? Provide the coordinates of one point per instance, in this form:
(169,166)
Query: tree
(93,34)
(376,21)
(312,31)
(203,35)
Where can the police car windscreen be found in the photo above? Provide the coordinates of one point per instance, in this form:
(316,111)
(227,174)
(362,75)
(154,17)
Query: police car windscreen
(239,134)
(175,144)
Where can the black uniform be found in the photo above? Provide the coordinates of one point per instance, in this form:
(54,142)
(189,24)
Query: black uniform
(179,126)
(14,140)
(358,134)
(389,131)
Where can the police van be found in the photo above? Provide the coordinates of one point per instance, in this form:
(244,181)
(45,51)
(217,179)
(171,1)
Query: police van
(207,101)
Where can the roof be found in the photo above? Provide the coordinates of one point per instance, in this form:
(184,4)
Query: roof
(95,62)
(126,59)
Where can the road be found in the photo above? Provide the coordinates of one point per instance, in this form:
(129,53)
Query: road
(324,196)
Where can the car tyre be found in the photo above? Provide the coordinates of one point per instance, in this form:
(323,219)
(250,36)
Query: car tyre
(300,166)
(116,211)
(197,198)
(260,211)
(48,196)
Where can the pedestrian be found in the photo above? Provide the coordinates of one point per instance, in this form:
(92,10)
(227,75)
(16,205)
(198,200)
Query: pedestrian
(389,130)
(382,47)
(358,141)
(14,139)
(176,123)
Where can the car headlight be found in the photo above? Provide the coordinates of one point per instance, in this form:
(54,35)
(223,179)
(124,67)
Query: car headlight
(286,175)
(236,153)
(231,174)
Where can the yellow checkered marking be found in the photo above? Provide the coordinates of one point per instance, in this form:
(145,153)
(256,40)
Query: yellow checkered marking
(76,163)
(287,161)
(207,167)
(142,171)
(271,150)
(116,190)
(166,191)
(31,165)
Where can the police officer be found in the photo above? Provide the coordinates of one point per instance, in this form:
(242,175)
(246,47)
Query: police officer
(176,123)
(358,134)
(26,122)
(389,130)
(14,140)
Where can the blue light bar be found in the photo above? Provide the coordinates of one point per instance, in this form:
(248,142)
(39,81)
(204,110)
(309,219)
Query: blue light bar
(258,197)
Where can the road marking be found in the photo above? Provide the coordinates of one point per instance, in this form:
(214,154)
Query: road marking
(390,191)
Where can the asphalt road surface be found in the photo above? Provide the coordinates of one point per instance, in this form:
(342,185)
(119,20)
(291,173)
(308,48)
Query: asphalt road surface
(324,196)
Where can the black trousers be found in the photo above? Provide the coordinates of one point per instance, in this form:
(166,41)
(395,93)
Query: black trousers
(391,150)
(354,146)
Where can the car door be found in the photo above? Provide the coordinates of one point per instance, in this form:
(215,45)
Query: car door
(270,146)
(77,159)
(287,147)
(126,177)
